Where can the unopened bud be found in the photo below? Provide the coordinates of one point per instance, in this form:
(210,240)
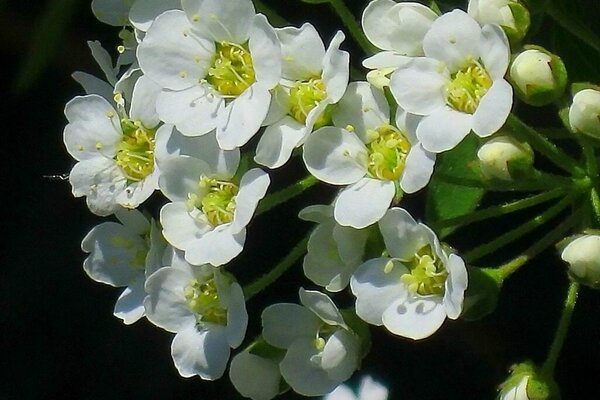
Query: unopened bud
(584,113)
(583,256)
(511,15)
(539,77)
(505,158)
(526,382)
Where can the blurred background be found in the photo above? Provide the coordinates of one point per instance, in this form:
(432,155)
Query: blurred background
(58,337)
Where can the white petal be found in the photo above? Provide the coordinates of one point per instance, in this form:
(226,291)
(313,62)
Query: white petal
(364,202)
(134,220)
(301,373)
(130,304)
(335,156)
(350,242)
(143,13)
(283,323)
(242,118)
(180,176)
(200,352)
(278,141)
(495,51)
(326,272)
(93,85)
(104,60)
(255,377)
(322,305)
(179,228)
(371,390)
(165,304)
(493,110)
(336,68)
(340,355)
(417,170)
(143,102)
(172,55)
(216,247)
(253,188)
(221,20)
(418,86)
(362,107)
(266,52)
(302,52)
(455,287)
(453,39)
(386,59)
(316,213)
(94,128)
(237,316)
(342,392)
(444,129)
(416,317)
(375,289)
(101,181)
(194,110)
(111,12)
(402,235)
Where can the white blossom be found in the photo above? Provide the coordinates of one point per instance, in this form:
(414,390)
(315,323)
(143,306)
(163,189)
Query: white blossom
(584,113)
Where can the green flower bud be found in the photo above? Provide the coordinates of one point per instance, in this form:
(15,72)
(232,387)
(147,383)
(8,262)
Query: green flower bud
(526,382)
(505,158)
(538,76)
(584,113)
(582,253)
(511,15)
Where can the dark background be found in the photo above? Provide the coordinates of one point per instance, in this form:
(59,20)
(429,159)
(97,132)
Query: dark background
(59,339)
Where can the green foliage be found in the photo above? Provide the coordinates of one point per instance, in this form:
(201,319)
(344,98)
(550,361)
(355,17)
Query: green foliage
(482,293)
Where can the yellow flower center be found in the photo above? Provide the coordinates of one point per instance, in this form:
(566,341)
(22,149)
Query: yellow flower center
(387,153)
(232,71)
(467,87)
(135,153)
(218,201)
(427,274)
(306,95)
(203,299)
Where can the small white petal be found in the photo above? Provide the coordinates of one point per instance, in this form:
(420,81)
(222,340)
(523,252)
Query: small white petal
(255,377)
(417,170)
(285,322)
(493,110)
(495,51)
(302,52)
(456,284)
(200,352)
(194,111)
(416,317)
(143,13)
(266,52)
(220,20)
(179,228)
(364,202)
(278,141)
(216,247)
(253,188)
(444,129)
(402,235)
(340,355)
(371,390)
(237,316)
(130,304)
(336,68)
(322,305)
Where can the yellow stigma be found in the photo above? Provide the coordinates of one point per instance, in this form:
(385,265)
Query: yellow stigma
(218,201)
(306,95)
(467,87)
(232,71)
(427,274)
(135,153)
(387,153)
(203,299)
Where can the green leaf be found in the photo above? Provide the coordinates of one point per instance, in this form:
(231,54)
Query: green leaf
(482,293)
(448,200)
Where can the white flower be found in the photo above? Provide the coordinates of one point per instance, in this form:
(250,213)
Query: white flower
(398,29)
(209,207)
(368,390)
(321,350)
(413,291)
(312,80)
(205,309)
(122,255)
(216,62)
(377,160)
(492,12)
(114,149)
(584,113)
(583,257)
(517,392)
(459,85)
(333,251)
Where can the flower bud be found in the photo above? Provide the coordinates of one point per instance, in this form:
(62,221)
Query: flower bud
(505,158)
(584,113)
(583,256)
(526,382)
(538,76)
(511,15)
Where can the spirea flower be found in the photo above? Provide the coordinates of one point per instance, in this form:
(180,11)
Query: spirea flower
(206,310)
(582,253)
(122,254)
(412,291)
(322,351)
(312,80)
(216,62)
(459,85)
(114,149)
(377,158)
(584,113)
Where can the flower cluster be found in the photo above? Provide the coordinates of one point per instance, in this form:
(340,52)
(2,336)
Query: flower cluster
(207,100)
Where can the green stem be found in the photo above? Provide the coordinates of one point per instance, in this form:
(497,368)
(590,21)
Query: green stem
(544,146)
(591,164)
(595,199)
(290,259)
(551,238)
(521,230)
(516,186)
(352,25)
(272,15)
(275,199)
(561,331)
(502,209)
